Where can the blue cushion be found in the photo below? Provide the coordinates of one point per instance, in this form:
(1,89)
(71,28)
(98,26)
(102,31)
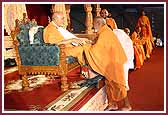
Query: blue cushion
(38,37)
(23,36)
(42,55)
(71,59)
(39,55)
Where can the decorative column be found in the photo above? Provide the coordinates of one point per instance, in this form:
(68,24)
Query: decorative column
(60,8)
(68,9)
(11,13)
(98,9)
(89,18)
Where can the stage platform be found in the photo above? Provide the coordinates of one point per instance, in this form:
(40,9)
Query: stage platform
(45,94)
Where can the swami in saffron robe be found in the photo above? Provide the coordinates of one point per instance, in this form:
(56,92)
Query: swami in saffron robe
(144,23)
(106,57)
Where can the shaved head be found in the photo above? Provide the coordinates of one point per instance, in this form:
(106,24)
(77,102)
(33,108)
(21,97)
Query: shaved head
(56,15)
(99,22)
(58,18)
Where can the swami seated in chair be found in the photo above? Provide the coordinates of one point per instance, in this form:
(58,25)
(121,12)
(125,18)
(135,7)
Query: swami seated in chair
(36,57)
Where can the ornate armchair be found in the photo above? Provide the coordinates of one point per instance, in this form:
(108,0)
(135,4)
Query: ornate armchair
(40,58)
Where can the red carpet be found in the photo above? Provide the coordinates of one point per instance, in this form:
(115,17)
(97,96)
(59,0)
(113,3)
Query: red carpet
(147,84)
(39,96)
(146,89)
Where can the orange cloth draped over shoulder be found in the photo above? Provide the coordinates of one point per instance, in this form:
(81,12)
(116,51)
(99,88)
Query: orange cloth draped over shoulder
(111,22)
(135,37)
(106,57)
(51,34)
(138,50)
(144,23)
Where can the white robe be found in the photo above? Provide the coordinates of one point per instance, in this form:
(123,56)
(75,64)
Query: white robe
(32,31)
(65,33)
(127,45)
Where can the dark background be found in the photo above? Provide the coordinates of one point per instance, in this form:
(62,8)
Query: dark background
(125,15)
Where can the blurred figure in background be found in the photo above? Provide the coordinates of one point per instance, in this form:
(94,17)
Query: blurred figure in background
(109,20)
(146,32)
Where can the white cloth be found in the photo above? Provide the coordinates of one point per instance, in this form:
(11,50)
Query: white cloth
(126,69)
(159,42)
(32,31)
(65,33)
(127,45)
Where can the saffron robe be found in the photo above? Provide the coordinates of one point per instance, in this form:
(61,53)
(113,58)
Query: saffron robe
(52,35)
(106,57)
(146,31)
(111,22)
(138,50)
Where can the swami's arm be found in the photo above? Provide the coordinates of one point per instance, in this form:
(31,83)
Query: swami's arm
(52,35)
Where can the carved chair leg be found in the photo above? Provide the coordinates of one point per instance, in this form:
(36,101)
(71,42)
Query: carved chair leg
(25,82)
(64,83)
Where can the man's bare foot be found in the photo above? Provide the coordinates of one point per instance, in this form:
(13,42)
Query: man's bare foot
(92,74)
(128,108)
(113,107)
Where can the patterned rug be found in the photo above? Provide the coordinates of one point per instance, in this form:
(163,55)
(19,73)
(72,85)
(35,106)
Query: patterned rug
(68,99)
(34,81)
(10,70)
(98,102)
(71,97)
(62,103)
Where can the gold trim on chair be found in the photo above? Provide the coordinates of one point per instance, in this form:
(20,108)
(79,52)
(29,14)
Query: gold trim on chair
(61,70)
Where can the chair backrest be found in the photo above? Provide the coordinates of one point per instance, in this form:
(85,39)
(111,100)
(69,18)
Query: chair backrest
(38,53)
(38,37)
(23,36)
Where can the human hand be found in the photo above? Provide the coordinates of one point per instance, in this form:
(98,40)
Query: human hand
(85,41)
